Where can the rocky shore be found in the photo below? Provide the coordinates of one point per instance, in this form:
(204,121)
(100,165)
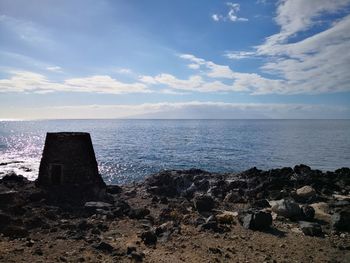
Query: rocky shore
(281,215)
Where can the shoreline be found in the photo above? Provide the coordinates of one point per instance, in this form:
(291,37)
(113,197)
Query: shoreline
(279,215)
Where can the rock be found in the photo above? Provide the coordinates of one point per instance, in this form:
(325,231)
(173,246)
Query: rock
(306,192)
(138,213)
(149,237)
(4,219)
(114,189)
(131,193)
(287,208)
(93,206)
(226,217)
(261,203)
(210,224)
(308,212)
(34,222)
(321,211)
(83,225)
(14,178)
(302,169)
(8,197)
(204,203)
(233,197)
(238,184)
(137,256)
(257,220)
(341,221)
(36,195)
(14,231)
(311,229)
(202,185)
(105,247)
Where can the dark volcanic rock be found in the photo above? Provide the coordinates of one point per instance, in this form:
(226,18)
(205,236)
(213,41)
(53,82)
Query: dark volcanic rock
(308,212)
(174,183)
(114,189)
(13,178)
(210,224)
(204,203)
(234,197)
(4,219)
(261,203)
(302,169)
(138,213)
(9,197)
(341,220)
(93,206)
(256,220)
(311,229)
(105,247)
(287,208)
(149,237)
(14,231)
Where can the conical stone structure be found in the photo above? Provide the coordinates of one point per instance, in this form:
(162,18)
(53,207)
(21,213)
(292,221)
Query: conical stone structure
(69,161)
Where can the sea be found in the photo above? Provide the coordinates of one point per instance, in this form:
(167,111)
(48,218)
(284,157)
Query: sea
(130,150)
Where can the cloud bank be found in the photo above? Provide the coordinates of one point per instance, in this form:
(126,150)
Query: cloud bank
(24,81)
(181,110)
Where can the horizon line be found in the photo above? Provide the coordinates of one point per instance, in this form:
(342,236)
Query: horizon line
(86,119)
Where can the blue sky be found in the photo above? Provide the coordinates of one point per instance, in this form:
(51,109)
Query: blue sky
(174,59)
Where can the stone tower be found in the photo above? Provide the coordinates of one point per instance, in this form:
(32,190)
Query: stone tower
(69,161)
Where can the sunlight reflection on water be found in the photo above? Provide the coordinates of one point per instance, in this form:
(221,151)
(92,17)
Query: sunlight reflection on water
(128,150)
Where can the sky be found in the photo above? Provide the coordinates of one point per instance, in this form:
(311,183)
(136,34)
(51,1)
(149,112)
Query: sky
(201,59)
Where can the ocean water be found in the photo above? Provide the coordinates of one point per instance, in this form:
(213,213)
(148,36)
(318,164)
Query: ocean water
(129,150)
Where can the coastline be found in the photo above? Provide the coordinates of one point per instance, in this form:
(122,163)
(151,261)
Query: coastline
(280,215)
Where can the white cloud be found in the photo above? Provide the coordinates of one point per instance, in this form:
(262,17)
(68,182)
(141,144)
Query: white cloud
(240,54)
(232,14)
(54,69)
(195,83)
(24,81)
(315,64)
(216,17)
(125,71)
(294,16)
(248,82)
(193,66)
(189,110)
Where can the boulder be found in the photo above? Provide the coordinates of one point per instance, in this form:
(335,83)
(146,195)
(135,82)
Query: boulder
(308,212)
(204,203)
(149,237)
(261,203)
(302,169)
(259,220)
(14,231)
(233,197)
(321,211)
(341,220)
(97,205)
(138,213)
(211,223)
(105,247)
(13,178)
(114,189)
(8,197)
(310,228)
(287,208)
(4,219)
(306,192)
(226,217)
